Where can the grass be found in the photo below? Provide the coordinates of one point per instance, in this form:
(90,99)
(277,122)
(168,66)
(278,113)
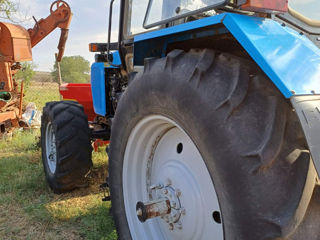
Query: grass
(29,209)
(42,92)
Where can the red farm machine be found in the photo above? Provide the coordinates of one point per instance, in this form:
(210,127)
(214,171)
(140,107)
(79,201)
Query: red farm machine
(16,45)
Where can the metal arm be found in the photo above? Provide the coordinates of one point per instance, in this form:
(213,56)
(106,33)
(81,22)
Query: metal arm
(60,17)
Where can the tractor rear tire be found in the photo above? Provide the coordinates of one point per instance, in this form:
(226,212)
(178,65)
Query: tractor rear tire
(66,145)
(247,134)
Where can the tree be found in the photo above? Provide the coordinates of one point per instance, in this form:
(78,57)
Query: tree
(74,69)
(26,73)
(7,8)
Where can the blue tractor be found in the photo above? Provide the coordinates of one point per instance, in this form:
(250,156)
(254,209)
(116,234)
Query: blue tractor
(213,112)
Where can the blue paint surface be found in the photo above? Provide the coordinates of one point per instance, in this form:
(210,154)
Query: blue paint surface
(289,59)
(116,60)
(98,84)
(98,88)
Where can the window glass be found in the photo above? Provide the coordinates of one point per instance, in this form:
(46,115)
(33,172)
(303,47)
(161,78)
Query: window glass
(137,12)
(309,8)
(164,9)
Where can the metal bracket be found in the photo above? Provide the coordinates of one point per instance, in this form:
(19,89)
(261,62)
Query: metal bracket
(106,193)
(308,110)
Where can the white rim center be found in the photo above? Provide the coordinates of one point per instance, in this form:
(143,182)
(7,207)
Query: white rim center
(159,152)
(51,150)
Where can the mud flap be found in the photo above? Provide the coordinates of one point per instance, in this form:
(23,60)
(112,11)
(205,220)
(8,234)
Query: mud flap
(308,111)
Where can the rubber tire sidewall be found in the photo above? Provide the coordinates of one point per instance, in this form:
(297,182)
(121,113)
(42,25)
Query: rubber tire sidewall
(70,169)
(176,101)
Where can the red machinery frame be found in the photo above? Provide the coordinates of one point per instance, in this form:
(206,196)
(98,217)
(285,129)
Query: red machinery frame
(81,93)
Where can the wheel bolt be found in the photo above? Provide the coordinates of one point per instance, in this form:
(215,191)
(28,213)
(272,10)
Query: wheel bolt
(168,182)
(178,193)
(183,211)
(156,186)
(171,227)
(179,225)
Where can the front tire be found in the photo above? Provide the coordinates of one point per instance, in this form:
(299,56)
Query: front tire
(65,143)
(249,140)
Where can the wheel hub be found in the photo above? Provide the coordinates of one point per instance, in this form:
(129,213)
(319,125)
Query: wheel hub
(166,185)
(165,203)
(51,150)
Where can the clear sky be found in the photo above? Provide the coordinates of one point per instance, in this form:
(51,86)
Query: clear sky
(90,24)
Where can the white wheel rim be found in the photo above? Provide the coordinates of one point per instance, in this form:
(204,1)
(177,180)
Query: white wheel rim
(51,150)
(152,158)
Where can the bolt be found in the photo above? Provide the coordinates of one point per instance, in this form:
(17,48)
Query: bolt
(178,192)
(183,211)
(174,204)
(171,227)
(179,225)
(156,186)
(168,182)
(165,191)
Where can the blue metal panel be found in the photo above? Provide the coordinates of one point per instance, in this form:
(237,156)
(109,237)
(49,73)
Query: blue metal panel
(98,88)
(205,22)
(116,60)
(289,59)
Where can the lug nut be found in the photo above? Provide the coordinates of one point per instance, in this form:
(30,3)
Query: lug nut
(171,227)
(168,182)
(179,225)
(183,211)
(178,193)
(156,186)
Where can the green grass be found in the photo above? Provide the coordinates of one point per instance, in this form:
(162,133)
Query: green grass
(40,93)
(29,209)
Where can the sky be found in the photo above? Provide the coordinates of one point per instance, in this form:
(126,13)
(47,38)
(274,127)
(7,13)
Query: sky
(90,24)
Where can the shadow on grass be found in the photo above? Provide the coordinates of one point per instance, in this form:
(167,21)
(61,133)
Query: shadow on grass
(84,207)
(22,183)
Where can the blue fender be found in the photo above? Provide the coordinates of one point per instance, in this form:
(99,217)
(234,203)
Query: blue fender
(288,58)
